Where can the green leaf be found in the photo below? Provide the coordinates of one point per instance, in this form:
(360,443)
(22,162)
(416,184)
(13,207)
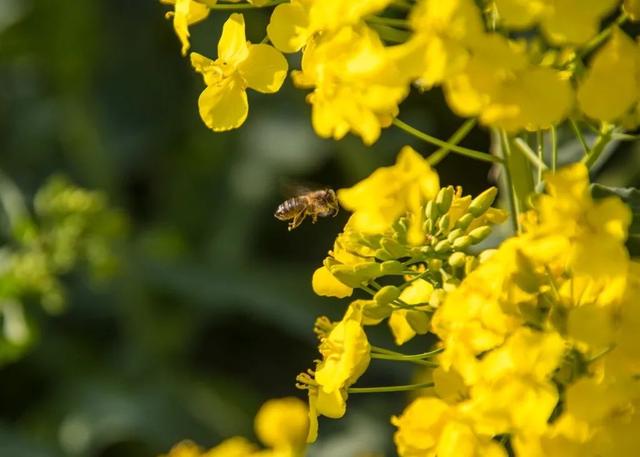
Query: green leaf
(631,197)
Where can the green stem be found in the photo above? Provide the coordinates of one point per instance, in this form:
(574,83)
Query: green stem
(390,21)
(390,34)
(530,155)
(540,151)
(212,4)
(578,133)
(594,154)
(400,359)
(424,355)
(454,139)
(438,142)
(603,35)
(513,203)
(554,148)
(408,387)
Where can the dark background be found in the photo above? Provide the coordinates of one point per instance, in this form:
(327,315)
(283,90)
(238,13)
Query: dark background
(211,311)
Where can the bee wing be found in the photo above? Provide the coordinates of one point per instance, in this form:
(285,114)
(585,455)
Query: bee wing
(295,188)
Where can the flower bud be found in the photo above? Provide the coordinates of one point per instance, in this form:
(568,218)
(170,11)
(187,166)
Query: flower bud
(457,259)
(479,234)
(391,267)
(482,202)
(443,246)
(455,234)
(435,264)
(464,221)
(443,224)
(444,199)
(395,249)
(386,295)
(463,242)
(431,211)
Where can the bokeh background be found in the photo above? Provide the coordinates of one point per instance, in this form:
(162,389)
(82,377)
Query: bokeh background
(210,311)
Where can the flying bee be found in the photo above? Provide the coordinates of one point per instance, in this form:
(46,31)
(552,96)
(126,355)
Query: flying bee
(313,203)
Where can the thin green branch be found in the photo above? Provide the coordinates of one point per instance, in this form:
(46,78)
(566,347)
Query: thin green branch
(424,355)
(578,133)
(603,35)
(554,148)
(405,388)
(540,152)
(529,154)
(438,142)
(603,140)
(390,21)
(454,139)
(398,359)
(513,203)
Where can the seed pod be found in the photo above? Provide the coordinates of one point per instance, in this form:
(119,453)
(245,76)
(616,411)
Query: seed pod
(386,295)
(455,234)
(444,199)
(463,242)
(443,246)
(479,234)
(464,221)
(457,259)
(483,201)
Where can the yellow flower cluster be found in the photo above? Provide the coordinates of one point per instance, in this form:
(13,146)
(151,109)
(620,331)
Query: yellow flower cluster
(543,339)
(360,58)
(405,248)
(281,425)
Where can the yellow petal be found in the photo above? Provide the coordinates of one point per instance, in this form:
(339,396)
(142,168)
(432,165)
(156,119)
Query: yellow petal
(224,106)
(282,423)
(609,90)
(402,331)
(264,69)
(232,47)
(326,285)
(288,27)
(186,13)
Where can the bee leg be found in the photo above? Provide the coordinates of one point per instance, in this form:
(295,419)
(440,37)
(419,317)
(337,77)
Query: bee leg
(314,218)
(297,220)
(335,210)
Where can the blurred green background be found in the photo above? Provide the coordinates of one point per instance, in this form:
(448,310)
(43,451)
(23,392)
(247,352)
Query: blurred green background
(211,310)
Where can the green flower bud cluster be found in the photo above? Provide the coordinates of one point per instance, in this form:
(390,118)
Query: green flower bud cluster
(70,226)
(452,226)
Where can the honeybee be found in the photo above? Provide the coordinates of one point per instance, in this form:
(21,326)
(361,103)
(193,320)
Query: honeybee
(313,203)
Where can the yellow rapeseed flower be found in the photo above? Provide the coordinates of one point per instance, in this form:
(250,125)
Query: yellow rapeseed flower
(282,425)
(240,65)
(407,323)
(438,47)
(390,192)
(356,86)
(505,90)
(611,86)
(429,427)
(293,24)
(184,14)
(345,357)
(564,22)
